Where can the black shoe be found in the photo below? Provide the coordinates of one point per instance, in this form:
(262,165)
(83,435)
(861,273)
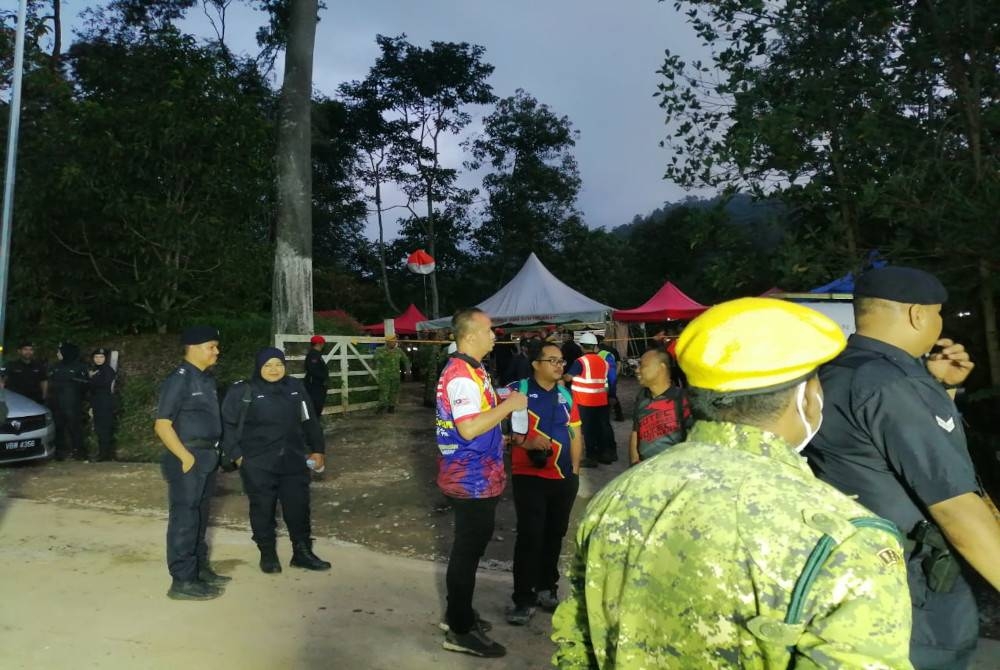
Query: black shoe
(193,590)
(379,409)
(213,578)
(588,463)
(548,600)
(303,557)
(519,615)
(269,562)
(474,642)
(482,624)
(392,409)
(605,459)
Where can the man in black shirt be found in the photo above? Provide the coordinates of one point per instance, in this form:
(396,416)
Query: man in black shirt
(316,373)
(662,414)
(893,438)
(68,381)
(189,425)
(26,375)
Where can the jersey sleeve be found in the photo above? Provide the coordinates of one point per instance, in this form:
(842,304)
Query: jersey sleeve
(859,622)
(574,415)
(464,397)
(171,397)
(917,447)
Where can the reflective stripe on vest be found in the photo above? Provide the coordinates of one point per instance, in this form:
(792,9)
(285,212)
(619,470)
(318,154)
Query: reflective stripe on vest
(588,381)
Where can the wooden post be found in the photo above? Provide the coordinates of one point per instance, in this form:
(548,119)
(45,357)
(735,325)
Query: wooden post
(344,376)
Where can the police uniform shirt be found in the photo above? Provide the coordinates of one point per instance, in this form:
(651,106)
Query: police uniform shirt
(26,378)
(188,398)
(315,367)
(891,434)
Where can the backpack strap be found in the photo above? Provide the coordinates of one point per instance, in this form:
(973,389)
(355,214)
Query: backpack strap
(788,631)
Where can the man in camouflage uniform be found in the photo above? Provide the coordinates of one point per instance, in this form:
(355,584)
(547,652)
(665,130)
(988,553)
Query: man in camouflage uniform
(431,358)
(388,360)
(726,551)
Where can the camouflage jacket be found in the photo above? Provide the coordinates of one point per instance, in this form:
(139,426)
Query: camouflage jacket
(387,362)
(690,559)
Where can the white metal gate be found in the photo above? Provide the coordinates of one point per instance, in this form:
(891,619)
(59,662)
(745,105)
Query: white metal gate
(344,350)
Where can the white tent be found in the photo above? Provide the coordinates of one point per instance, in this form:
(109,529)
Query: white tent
(534,296)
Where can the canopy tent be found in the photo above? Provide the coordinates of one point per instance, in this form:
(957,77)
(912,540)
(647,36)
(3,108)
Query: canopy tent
(668,304)
(534,296)
(406,323)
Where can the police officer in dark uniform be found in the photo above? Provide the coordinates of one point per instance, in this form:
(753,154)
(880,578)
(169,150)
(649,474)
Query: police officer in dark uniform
(270,431)
(316,373)
(68,381)
(893,437)
(189,425)
(102,403)
(26,375)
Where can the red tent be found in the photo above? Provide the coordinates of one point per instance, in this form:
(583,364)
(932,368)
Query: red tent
(406,323)
(668,304)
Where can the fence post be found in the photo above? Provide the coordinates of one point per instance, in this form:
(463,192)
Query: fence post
(345,364)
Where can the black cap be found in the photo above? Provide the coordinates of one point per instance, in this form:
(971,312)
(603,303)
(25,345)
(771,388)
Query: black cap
(100,351)
(199,335)
(69,351)
(899,284)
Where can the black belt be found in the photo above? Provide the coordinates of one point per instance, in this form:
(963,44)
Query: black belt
(201,444)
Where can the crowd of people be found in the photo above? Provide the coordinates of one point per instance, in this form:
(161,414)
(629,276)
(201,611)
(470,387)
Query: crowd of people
(802,500)
(66,389)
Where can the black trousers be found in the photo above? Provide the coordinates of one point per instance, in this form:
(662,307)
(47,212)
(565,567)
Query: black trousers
(264,488)
(189,494)
(68,418)
(104,424)
(317,393)
(945,625)
(543,507)
(474,519)
(598,437)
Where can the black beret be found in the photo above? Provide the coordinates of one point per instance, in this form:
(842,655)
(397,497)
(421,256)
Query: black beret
(899,284)
(101,351)
(199,335)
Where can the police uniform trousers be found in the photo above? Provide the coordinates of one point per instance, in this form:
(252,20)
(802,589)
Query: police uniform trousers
(598,437)
(267,480)
(543,507)
(104,424)
(945,625)
(317,393)
(189,494)
(67,414)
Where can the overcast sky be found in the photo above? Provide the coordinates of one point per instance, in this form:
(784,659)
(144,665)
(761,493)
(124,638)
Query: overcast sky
(594,61)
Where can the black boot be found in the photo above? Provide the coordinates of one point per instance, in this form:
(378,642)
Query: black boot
(210,576)
(303,557)
(193,590)
(392,409)
(269,562)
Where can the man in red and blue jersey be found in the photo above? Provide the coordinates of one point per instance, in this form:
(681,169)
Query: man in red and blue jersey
(545,465)
(470,471)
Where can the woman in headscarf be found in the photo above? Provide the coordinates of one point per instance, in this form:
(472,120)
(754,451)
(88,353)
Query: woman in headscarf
(270,429)
(102,403)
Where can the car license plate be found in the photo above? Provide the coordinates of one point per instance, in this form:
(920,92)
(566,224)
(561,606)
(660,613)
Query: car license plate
(19,445)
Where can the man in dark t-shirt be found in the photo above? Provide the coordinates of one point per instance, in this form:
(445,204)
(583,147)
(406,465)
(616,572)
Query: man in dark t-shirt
(662,415)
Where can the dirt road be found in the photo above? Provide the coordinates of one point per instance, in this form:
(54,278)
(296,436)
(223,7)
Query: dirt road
(85,589)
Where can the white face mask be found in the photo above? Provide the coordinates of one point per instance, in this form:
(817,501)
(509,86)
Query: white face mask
(800,407)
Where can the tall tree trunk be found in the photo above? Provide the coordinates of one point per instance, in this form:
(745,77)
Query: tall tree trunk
(381,246)
(56,34)
(292,298)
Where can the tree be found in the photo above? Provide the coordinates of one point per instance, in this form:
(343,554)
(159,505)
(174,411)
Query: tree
(378,153)
(292,303)
(874,122)
(143,208)
(428,89)
(534,184)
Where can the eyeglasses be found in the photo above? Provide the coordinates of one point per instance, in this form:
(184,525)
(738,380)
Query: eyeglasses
(552,361)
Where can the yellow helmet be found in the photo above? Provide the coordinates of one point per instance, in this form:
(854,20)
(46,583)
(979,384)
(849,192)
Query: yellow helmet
(756,343)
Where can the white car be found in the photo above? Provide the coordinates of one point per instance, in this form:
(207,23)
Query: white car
(28,433)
